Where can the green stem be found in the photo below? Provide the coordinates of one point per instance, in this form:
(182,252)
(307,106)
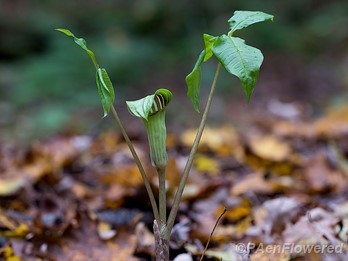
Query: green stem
(137,161)
(179,192)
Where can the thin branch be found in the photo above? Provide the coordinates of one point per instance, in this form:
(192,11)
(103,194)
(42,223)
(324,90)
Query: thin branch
(194,148)
(212,232)
(138,162)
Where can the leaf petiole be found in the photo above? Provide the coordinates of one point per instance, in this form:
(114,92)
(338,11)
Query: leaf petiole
(180,190)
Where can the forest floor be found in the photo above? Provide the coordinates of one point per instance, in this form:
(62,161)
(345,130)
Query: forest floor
(283,182)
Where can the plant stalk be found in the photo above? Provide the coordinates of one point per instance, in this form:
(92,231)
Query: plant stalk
(138,162)
(162,197)
(180,190)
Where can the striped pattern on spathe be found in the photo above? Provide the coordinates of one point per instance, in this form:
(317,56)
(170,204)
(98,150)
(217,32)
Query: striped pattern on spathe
(159,103)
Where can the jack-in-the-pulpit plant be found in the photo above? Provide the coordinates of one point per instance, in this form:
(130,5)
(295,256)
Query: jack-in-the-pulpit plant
(151,109)
(233,54)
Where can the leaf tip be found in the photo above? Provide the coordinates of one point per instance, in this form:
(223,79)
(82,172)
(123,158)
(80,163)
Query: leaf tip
(65,31)
(196,108)
(248,96)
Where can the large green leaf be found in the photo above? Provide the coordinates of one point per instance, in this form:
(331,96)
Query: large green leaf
(82,43)
(105,89)
(242,19)
(142,107)
(239,59)
(193,80)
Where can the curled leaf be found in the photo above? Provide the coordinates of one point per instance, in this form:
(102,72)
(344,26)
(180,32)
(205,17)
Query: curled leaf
(105,89)
(193,81)
(151,104)
(209,41)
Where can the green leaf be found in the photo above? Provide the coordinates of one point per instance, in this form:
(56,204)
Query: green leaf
(193,81)
(208,44)
(239,59)
(242,19)
(66,31)
(105,89)
(82,43)
(143,107)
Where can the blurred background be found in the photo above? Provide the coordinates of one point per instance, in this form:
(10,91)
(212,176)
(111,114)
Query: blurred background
(47,83)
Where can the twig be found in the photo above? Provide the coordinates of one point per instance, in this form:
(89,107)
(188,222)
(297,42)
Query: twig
(212,232)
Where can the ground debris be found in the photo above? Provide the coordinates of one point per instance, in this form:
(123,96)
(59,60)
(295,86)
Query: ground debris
(284,186)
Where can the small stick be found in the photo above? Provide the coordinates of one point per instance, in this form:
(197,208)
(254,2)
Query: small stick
(212,232)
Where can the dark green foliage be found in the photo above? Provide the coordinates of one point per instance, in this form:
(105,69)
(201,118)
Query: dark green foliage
(239,59)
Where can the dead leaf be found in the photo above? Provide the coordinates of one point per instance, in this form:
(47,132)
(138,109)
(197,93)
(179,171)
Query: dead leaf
(229,251)
(11,228)
(253,183)
(180,234)
(183,257)
(145,240)
(10,186)
(206,165)
(318,174)
(7,254)
(274,214)
(236,212)
(105,231)
(270,253)
(317,228)
(270,148)
(128,176)
(223,141)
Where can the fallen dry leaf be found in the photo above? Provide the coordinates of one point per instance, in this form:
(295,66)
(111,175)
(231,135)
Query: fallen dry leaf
(254,183)
(270,148)
(274,214)
(7,254)
(223,141)
(205,164)
(145,240)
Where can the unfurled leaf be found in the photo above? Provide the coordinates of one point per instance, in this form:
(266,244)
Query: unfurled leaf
(193,81)
(239,59)
(105,89)
(150,104)
(242,19)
